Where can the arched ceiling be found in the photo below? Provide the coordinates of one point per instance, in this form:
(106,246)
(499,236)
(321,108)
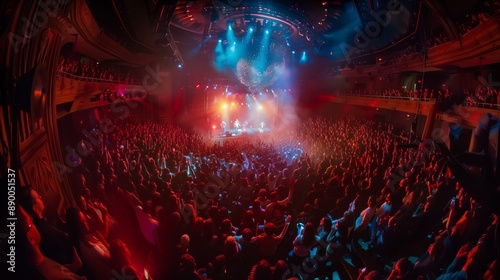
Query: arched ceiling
(327,28)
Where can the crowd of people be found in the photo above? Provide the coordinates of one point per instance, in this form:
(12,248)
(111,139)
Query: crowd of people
(437,39)
(479,15)
(486,10)
(483,96)
(157,202)
(86,68)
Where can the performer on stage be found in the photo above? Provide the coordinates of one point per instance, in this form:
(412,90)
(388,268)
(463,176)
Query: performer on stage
(223,126)
(262,124)
(237,124)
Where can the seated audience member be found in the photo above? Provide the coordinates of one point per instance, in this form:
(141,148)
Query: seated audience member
(91,246)
(37,266)
(55,243)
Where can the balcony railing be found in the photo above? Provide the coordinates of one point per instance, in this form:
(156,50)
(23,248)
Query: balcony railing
(92,79)
(465,103)
(385,96)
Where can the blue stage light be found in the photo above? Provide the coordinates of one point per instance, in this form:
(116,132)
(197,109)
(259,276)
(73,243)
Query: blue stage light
(303,58)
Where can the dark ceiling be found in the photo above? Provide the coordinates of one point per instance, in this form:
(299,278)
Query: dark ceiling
(327,28)
(322,26)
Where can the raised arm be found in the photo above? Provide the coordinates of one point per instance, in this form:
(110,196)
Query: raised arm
(285,228)
(288,198)
(331,235)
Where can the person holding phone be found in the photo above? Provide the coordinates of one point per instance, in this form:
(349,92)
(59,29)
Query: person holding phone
(303,243)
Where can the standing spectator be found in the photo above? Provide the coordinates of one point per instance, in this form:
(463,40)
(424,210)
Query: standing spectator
(188,269)
(37,266)
(54,243)
(268,241)
(92,247)
(362,224)
(303,243)
(120,260)
(261,271)
(403,269)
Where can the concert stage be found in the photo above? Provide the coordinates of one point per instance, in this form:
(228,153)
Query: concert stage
(239,133)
